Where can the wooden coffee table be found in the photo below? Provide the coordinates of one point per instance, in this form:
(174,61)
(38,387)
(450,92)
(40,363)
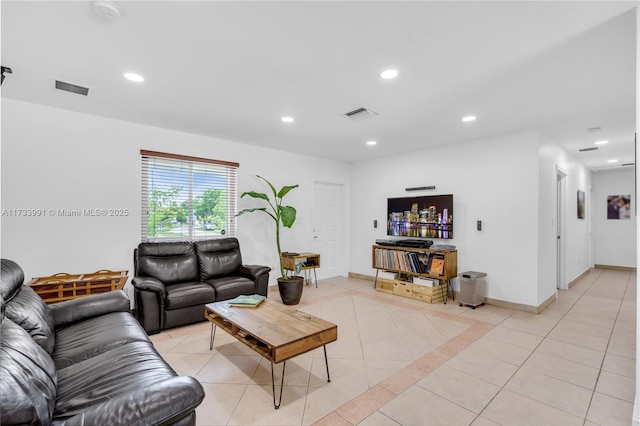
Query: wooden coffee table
(274,331)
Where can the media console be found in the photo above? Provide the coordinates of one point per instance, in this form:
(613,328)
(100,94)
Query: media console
(439,265)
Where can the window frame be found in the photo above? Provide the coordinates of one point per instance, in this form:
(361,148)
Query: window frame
(227,168)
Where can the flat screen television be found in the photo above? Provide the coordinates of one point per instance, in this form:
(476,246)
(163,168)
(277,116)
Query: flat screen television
(428,216)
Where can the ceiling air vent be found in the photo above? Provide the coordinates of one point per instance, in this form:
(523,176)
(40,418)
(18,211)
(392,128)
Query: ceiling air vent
(593,148)
(73,88)
(360,114)
(628,164)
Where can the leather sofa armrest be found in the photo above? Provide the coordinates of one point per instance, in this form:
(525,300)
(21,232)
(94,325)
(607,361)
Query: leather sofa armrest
(150,294)
(150,284)
(83,308)
(254,271)
(258,274)
(162,403)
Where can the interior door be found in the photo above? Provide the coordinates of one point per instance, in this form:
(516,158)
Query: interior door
(328,235)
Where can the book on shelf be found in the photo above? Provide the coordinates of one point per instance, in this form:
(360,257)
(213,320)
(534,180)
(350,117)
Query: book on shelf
(437,267)
(247,301)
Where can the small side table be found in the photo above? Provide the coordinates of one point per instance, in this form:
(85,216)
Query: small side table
(311,261)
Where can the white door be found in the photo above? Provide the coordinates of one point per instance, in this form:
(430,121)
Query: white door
(328,230)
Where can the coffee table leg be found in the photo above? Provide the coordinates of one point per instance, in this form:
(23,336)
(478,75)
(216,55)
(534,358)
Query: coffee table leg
(273,386)
(326,362)
(213,334)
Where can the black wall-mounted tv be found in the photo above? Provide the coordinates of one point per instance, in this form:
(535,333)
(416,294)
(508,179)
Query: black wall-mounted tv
(428,216)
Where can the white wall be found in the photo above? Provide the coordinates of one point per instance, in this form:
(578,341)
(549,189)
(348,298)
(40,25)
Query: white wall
(614,240)
(494,180)
(54,159)
(58,159)
(576,231)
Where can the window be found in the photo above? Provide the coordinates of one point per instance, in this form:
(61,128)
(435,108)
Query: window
(186,198)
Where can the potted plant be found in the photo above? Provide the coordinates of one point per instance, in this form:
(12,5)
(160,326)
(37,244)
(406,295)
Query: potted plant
(289,286)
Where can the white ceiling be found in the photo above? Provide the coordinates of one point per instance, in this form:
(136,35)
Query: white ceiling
(231,70)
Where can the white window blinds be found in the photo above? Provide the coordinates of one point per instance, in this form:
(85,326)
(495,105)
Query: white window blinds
(187,198)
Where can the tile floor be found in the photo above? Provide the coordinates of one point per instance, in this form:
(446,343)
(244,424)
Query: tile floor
(404,362)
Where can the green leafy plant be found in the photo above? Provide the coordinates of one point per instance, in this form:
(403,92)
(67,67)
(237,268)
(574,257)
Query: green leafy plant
(282,215)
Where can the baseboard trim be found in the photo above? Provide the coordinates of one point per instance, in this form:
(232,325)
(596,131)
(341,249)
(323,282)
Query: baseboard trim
(496,302)
(544,305)
(579,277)
(617,268)
(513,305)
(362,276)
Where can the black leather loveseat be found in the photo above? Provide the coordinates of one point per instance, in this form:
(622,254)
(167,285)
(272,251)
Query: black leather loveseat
(83,362)
(174,280)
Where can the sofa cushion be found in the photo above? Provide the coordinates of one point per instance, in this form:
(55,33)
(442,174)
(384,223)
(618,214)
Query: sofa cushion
(230,287)
(171,263)
(218,258)
(86,339)
(189,294)
(29,311)
(95,381)
(27,378)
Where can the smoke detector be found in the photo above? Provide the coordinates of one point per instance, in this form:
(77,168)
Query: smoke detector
(360,114)
(106,9)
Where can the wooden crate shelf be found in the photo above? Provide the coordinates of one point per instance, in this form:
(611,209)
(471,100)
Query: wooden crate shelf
(438,265)
(427,294)
(63,286)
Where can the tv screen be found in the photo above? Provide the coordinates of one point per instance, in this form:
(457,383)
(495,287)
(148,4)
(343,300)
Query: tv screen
(428,216)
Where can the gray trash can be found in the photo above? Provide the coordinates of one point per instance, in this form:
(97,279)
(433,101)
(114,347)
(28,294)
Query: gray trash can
(473,286)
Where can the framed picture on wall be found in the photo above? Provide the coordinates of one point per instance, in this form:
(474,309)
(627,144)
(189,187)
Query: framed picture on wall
(580,204)
(619,206)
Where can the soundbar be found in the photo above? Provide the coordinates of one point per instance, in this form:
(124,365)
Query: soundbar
(420,188)
(415,243)
(386,242)
(405,243)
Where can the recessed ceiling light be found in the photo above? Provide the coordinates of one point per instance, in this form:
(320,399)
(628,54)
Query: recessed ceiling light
(133,77)
(287,119)
(389,74)
(601,142)
(371,143)
(612,161)
(469,118)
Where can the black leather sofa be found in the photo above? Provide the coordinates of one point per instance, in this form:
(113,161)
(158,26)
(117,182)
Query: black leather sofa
(174,280)
(85,361)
